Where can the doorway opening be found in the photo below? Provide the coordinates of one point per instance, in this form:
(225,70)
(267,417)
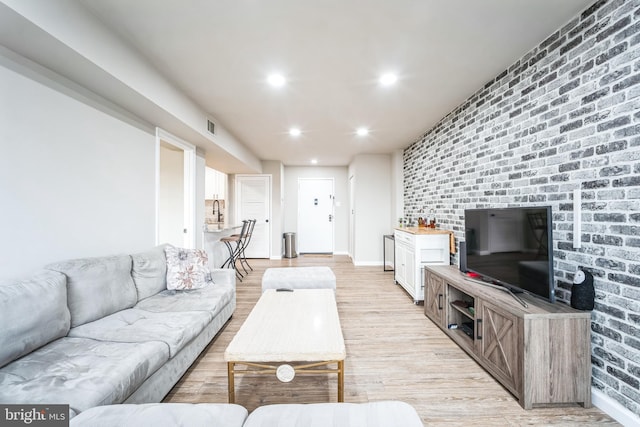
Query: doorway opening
(175,190)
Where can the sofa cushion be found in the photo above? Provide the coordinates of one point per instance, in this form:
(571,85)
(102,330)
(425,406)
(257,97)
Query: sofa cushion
(175,329)
(371,414)
(150,271)
(211,299)
(187,268)
(97,287)
(80,372)
(163,414)
(33,312)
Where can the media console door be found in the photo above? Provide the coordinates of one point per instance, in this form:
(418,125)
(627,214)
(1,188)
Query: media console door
(434,299)
(497,344)
(541,353)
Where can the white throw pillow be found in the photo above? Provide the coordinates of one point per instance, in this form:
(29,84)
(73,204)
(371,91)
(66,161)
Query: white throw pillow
(187,269)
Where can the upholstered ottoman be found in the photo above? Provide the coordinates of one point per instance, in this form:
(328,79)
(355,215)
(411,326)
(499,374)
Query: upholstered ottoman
(163,414)
(298,278)
(372,414)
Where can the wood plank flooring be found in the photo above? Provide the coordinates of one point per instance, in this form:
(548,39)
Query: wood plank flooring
(393,353)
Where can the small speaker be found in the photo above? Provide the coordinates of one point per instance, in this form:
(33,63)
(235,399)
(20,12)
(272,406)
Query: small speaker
(463,256)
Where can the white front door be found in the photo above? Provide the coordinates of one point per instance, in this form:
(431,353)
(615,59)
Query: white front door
(315,215)
(253,196)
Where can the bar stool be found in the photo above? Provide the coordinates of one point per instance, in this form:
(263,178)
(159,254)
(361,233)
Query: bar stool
(234,251)
(245,244)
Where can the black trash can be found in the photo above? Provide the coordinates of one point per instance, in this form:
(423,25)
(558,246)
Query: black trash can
(289,245)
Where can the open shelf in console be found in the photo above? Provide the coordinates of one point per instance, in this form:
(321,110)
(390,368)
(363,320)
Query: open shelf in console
(462,312)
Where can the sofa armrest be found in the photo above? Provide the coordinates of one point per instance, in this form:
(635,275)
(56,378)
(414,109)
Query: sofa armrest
(224,275)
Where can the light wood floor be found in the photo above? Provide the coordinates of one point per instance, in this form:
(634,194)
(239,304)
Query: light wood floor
(393,353)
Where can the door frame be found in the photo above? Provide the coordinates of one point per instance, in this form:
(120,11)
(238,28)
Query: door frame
(333,208)
(189,181)
(352,218)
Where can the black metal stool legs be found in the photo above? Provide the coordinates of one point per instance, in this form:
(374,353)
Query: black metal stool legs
(234,252)
(245,244)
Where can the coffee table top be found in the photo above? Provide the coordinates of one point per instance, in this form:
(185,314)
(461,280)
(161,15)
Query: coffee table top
(302,325)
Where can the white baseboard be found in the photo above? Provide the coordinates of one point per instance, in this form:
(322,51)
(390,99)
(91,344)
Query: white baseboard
(367,263)
(614,409)
(276,257)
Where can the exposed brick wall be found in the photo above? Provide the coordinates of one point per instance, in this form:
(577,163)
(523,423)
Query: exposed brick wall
(565,116)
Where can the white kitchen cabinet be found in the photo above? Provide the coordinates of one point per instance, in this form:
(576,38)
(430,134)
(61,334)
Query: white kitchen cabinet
(415,248)
(215,184)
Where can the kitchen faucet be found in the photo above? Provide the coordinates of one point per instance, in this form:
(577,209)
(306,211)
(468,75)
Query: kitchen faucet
(216,202)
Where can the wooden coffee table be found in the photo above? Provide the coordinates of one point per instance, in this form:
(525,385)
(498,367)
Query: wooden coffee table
(289,333)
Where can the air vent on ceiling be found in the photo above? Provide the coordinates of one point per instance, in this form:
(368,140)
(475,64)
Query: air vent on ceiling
(211,126)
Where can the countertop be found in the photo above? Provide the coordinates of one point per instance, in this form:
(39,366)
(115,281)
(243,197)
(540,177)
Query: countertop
(218,227)
(423,230)
(427,230)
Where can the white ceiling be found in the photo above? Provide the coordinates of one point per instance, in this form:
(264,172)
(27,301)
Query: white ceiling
(332,52)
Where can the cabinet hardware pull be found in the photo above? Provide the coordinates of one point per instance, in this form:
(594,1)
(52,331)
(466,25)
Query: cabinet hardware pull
(479,329)
(439,301)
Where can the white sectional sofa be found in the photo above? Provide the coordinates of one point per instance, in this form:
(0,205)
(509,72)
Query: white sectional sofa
(100,331)
(370,414)
(106,337)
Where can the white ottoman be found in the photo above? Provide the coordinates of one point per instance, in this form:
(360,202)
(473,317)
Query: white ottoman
(299,278)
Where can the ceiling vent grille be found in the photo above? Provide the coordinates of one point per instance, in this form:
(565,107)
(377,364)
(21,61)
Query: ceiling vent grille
(211,127)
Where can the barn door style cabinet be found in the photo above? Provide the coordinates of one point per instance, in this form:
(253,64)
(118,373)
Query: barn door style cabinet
(541,353)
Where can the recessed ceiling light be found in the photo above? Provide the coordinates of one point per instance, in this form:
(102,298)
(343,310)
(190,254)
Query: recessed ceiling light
(362,131)
(314,161)
(388,79)
(294,132)
(276,80)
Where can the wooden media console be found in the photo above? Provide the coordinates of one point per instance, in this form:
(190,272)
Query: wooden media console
(541,353)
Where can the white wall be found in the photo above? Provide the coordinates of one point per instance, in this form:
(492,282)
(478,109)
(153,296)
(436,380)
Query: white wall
(339,175)
(397,187)
(67,38)
(373,187)
(74,181)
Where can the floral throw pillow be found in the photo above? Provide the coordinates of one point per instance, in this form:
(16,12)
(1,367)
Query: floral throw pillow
(187,269)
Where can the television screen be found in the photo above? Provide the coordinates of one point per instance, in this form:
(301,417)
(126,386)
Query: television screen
(512,247)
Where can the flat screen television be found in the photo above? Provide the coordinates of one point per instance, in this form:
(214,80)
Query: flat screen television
(512,247)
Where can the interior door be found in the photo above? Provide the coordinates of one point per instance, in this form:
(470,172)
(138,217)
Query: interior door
(253,196)
(315,215)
